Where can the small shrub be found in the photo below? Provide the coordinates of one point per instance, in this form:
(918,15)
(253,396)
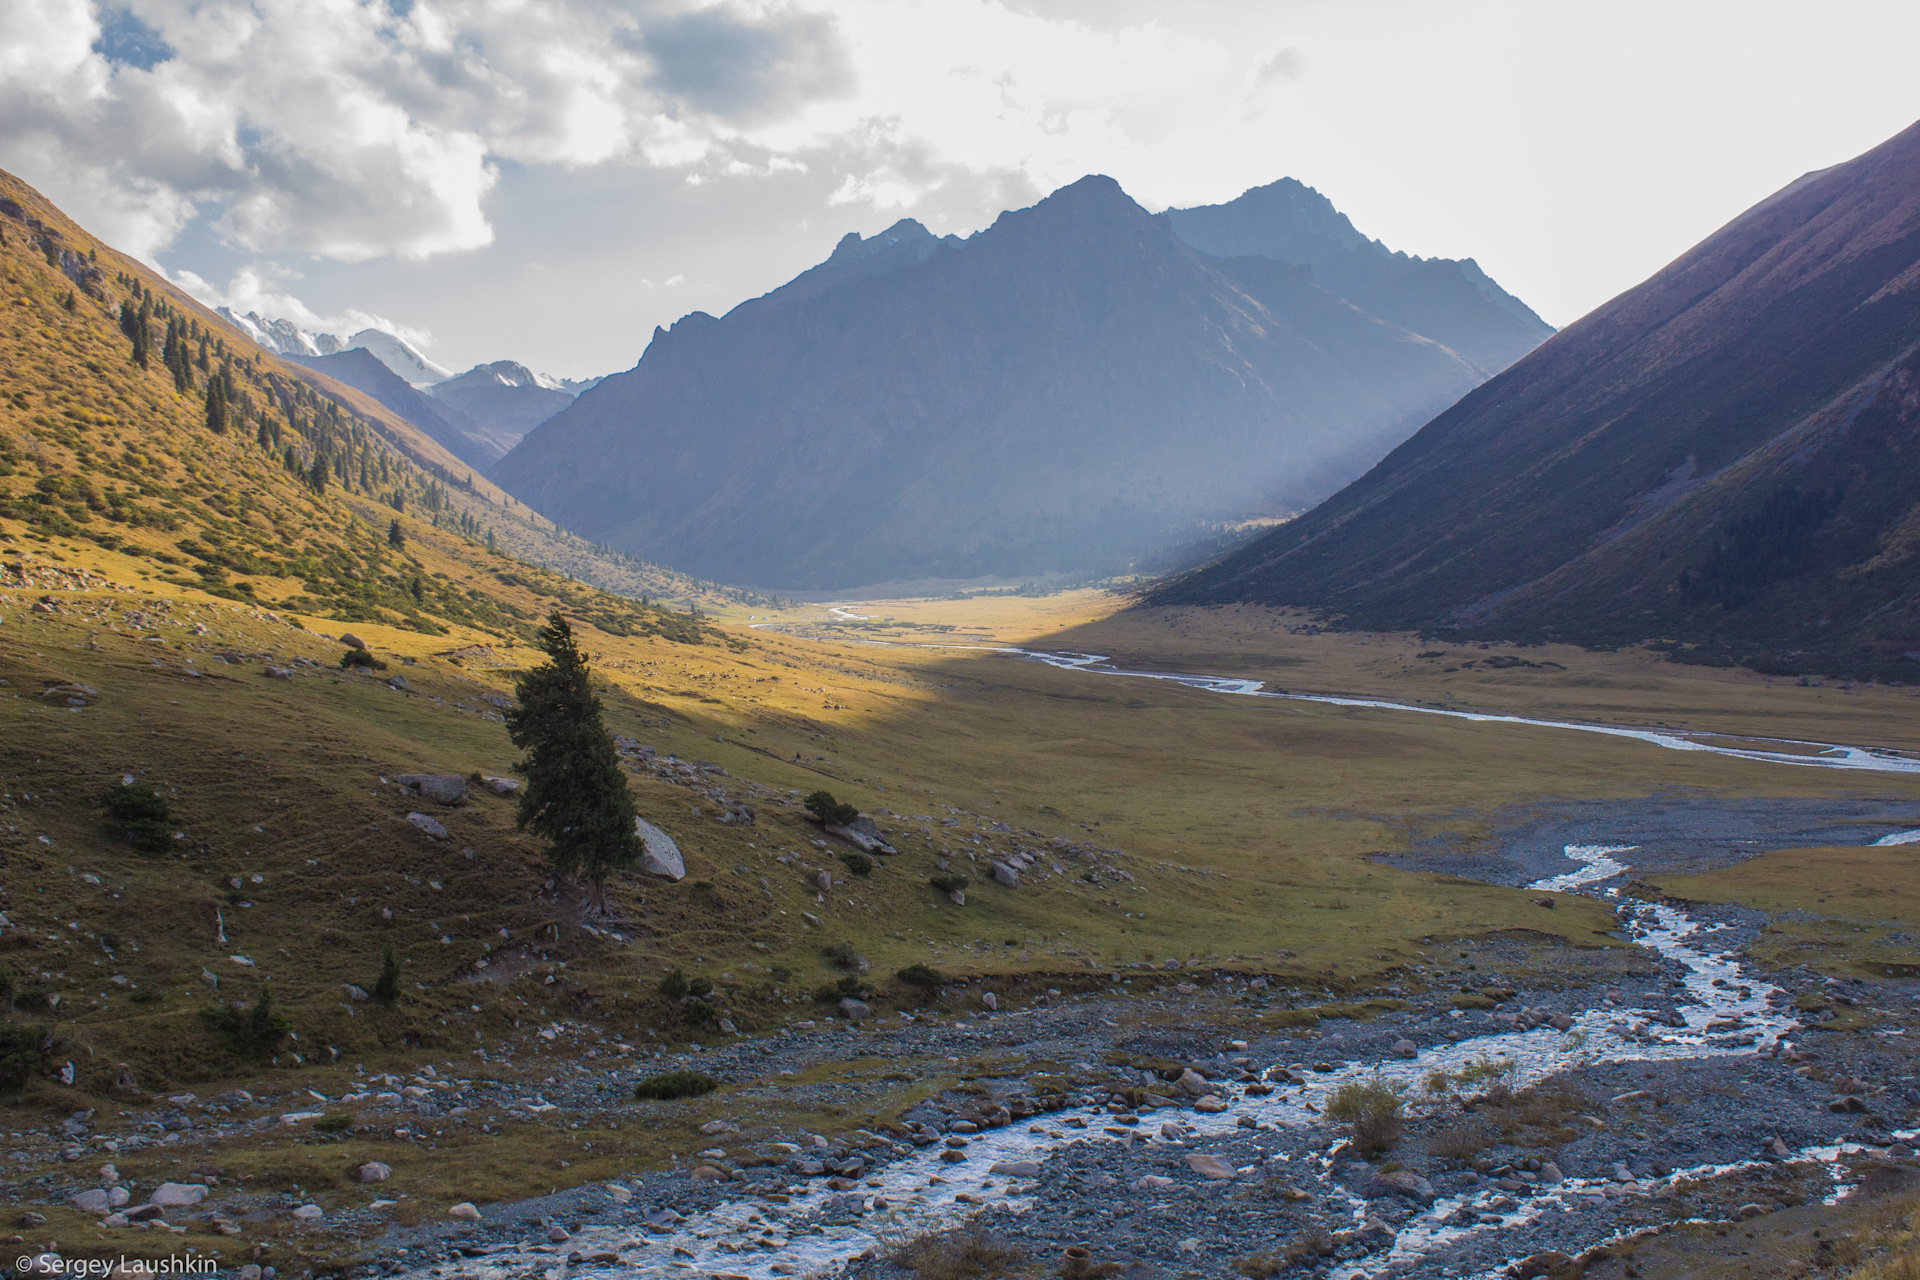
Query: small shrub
(846,989)
(823,806)
(1461,1142)
(961,1254)
(387,986)
(948,884)
(858,863)
(841,955)
(362,659)
(1293,1018)
(919,975)
(699,1013)
(139,815)
(675,1084)
(1371,1110)
(674,986)
(19,1056)
(335,1123)
(149,995)
(255,1031)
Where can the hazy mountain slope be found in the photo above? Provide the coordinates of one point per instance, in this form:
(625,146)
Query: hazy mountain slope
(364,371)
(1665,437)
(1452,302)
(502,401)
(1066,390)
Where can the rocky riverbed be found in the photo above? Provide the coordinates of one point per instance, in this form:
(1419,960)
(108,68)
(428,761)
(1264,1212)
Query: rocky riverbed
(1185,1130)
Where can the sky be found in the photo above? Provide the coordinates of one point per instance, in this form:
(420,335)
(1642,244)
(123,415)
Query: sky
(547,180)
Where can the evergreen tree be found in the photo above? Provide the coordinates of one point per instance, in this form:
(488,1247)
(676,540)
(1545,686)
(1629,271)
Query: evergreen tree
(317,473)
(396,536)
(387,986)
(216,406)
(576,795)
(142,340)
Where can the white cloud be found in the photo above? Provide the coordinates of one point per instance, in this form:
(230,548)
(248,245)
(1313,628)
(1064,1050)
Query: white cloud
(260,289)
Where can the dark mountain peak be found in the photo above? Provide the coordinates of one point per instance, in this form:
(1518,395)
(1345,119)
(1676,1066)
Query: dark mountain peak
(1088,204)
(907,231)
(1287,219)
(505,373)
(1454,303)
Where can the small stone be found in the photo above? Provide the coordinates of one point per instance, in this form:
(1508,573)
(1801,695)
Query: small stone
(464,1212)
(1400,1182)
(1210,1166)
(1151,1182)
(557,1234)
(92,1200)
(1747,1211)
(1006,875)
(707,1173)
(1212,1104)
(1405,1049)
(990,1000)
(309,1213)
(374,1171)
(1016,1168)
(171,1195)
(429,825)
(353,992)
(1560,1021)
(719,1126)
(277,673)
(501,786)
(398,682)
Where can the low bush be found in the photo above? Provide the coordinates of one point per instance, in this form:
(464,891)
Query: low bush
(362,659)
(1372,1110)
(858,863)
(335,1123)
(256,1031)
(840,955)
(386,987)
(919,975)
(675,1084)
(139,815)
(823,806)
(19,1056)
(846,989)
(948,884)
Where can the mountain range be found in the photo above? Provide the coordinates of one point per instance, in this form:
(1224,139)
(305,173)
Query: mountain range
(478,416)
(1720,460)
(1074,388)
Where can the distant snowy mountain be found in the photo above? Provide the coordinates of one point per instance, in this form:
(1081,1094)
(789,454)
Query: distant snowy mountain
(283,337)
(505,400)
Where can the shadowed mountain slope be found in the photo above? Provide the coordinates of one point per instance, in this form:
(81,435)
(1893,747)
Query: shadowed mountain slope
(1067,390)
(1721,458)
(501,402)
(362,370)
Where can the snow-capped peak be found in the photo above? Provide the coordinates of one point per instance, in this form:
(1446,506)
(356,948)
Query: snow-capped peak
(283,337)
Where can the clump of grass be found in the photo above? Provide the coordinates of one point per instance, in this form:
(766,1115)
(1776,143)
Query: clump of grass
(858,863)
(848,988)
(334,1123)
(840,955)
(1372,1110)
(139,816)
(963,1254)
(1301,1250)
(675,1084)
(948,884)
(1460,1142)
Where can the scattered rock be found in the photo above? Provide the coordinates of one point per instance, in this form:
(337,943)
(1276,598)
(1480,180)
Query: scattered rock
(429,825)
(503,786)
(374,1171)
(1210,1166)
(719,1126)
(272,672)
(1545,1263)
(854,1010)
(1016,1168)
(1212,1104)
(989,1000)
(92,1200)
(309,1213)
(1405,1049)
(661,856)
(1006,875)
(707,1173)
(352,641)
(441,788)
(177,1195)
(464,1212)
(398,682)
(1402,1183)
(354,993)
(1151,1182)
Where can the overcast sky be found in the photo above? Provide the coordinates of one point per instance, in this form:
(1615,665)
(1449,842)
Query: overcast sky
(546,180)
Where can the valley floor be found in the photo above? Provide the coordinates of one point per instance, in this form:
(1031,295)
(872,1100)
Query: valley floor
(1246,890)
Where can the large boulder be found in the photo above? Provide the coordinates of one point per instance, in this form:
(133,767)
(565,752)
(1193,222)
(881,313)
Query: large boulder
(661,856)
(1400,1182)
(442,788)
(352,641)
(1006,875)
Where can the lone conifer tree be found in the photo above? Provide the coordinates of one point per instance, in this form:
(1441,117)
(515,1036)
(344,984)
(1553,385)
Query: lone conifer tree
(216,406)
(576,796)
(396,536)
